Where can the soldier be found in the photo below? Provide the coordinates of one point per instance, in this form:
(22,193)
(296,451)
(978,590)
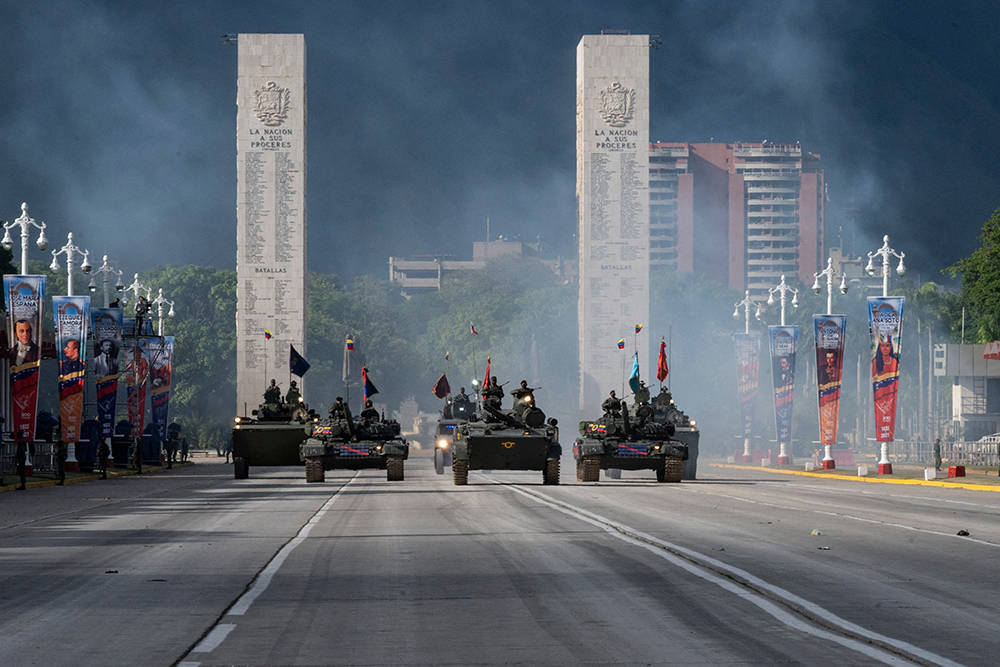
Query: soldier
(937,453)
(184,450)
(612,404)
(21,455)
(462,397)
(293,395)
(339,409)
(642,394)
(103,452)
(273,393)
(493,394)
(170,447)
(524,392)
(61,453)
(369,415)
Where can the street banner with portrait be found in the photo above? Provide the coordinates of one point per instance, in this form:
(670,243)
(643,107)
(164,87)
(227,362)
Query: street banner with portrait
(830,332)
(747,377)
(161,353)
(72,315)
(885,320)
(24,296)
(106,323)
(783,341)
(136,359)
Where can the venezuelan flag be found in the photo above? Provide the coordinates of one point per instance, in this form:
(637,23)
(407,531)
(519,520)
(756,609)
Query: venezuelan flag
(267,335)
(621,344)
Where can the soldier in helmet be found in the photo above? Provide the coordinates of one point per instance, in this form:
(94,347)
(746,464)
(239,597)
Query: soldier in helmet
(369,415)
(522,392)
(612,404)
(339,409)
(273,393)
(292,396)
(642,394)
(493,394)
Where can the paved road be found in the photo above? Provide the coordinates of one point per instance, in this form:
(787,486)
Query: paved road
(194,566)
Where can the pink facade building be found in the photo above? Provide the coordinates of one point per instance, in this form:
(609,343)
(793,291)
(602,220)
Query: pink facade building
(745,213)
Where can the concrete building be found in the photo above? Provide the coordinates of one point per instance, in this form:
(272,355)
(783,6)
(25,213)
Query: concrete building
(743,212)
(414,274)
(975,389)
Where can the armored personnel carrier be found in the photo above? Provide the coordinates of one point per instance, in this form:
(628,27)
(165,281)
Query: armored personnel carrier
(270,436)
(342,443)
(655,438)
(455,413)
(516,439)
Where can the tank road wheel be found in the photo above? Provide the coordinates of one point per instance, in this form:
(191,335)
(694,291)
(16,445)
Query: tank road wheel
(314,471)
(241,468)
(591,469)
(550,475)
(614,473)
(394,470)
(669,470)
(460,471)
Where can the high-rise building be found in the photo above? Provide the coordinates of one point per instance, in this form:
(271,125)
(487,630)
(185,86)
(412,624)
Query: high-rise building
(612,189)
(744,213)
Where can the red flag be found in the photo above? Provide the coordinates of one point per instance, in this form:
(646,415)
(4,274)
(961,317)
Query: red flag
(441,387)
(486,382)
(661,364)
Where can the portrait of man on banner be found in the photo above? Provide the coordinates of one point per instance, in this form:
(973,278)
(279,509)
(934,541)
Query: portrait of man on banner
(25,348)
(24,296)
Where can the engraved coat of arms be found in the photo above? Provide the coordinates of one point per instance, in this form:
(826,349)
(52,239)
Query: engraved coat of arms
(272,104)
(617,105)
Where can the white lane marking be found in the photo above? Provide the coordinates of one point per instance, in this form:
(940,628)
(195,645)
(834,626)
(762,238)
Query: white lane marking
(214,638)
(657,546)
(852,517)
(263,579)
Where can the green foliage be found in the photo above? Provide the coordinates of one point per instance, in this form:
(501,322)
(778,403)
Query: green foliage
(981,284)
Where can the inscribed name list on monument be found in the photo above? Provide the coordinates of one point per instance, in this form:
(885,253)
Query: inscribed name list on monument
(612,152)
(270,211)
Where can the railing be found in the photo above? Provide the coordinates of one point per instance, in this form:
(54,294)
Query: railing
(975,453)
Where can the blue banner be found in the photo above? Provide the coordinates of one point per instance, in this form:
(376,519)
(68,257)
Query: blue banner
(107,327)
(161,353)
(747,377)
(830,332)
(72,315)
(783,342)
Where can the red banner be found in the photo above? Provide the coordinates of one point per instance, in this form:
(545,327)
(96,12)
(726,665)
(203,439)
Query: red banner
(885,318)
(24,296)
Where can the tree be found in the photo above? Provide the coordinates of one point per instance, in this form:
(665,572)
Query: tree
(981,284)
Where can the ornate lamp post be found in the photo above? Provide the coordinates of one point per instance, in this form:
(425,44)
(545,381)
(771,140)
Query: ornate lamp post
(830,330)
(70,251)
(747,353)
(783,414)
(25,223)
(828,272)
(885,252)
(159,301)
(106,271)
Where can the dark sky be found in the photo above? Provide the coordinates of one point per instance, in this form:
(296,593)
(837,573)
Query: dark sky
(424,118)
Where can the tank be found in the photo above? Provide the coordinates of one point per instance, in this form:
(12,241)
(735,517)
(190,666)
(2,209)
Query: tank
(516,439)
(455,413)
(270,436)
(342,443)
(657,437)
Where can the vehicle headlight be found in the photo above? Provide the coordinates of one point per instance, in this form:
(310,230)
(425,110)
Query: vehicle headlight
(527,399)
(442,443)
(236,419)
(693,422)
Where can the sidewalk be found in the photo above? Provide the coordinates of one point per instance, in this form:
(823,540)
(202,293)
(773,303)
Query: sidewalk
(977,479)
(11,482)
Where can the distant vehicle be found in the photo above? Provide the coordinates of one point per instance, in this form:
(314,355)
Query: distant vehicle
(657,437)
(455,413)
(342,443)
(270,436)
(516,439)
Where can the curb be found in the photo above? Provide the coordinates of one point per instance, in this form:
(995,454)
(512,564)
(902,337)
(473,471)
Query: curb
(112,474)
(870,480)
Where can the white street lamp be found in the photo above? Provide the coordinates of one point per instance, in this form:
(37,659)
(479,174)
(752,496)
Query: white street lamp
(782,289)
(828,272)
(70,250)
(885,252)
(24,222)
(158,302)
(745,304)
(106,271)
